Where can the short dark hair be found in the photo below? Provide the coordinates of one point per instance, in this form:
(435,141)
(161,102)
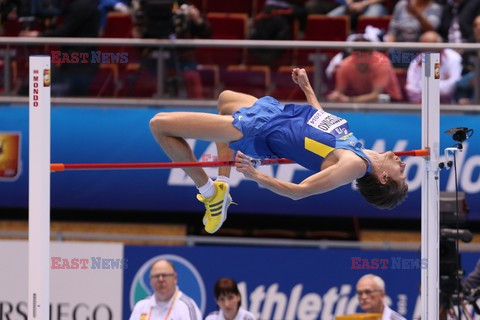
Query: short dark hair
(383,196)
(225,286)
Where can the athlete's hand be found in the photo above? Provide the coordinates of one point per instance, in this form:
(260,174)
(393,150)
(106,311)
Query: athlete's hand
(244,165)
(299,76)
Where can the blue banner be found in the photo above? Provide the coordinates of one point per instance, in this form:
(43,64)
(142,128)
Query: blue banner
(98,135)
(284,283)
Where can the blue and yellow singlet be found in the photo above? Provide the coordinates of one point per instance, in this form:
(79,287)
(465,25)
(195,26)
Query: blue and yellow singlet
(297,132)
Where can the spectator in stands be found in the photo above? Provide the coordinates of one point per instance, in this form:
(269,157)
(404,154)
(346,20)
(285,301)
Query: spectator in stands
(409,20)
(290,9)
(165,19)
(321,6)
(371,296)
(371,34)
(167,301)
(464,91)
(269,26)
(457,19)
(229,301)
(81,18)
(472,281)
(356,8)
(450,72)
(365,76)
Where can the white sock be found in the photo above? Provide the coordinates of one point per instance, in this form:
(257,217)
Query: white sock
(208,189)
(223,179)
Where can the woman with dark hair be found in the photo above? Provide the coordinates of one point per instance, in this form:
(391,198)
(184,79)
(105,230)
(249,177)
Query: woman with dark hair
(229,302)
(265,128)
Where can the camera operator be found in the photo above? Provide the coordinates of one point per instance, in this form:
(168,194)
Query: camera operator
(166,19)
(472,281)
(81,18)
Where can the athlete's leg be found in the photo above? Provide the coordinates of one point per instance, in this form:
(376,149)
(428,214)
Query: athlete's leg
(171,128)
(228,103)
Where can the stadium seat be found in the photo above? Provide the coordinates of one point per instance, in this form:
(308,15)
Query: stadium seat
(118,25)
(11,28)
(323,28)
(254,80)
(210,75)
(283,86)
(105,83)
(225,26)
(137,81)
(272,57)
(243,6)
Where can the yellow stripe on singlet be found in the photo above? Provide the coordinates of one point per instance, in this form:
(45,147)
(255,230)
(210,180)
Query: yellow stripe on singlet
(317,147)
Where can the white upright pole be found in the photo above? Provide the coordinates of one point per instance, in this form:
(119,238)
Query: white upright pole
(39,189)
(430,289)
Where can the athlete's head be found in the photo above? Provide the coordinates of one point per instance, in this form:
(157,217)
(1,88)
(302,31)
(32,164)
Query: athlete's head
(385,186)
(227,296)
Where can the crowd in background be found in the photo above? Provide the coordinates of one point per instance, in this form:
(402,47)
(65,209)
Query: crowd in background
(384,76)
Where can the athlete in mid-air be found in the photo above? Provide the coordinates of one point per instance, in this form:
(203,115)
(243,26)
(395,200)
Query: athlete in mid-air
(265,128)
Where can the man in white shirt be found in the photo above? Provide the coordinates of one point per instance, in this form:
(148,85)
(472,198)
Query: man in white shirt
(371,294)
(450,72)
(167,302)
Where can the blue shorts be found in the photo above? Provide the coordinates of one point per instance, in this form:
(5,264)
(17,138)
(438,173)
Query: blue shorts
(250,121)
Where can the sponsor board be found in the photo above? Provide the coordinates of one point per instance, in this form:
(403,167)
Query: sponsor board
(75,294)
(287,284)
(123,135)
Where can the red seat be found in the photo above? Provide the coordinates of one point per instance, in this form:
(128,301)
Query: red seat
(11,28)
(283,86)
(137,81)
(273,57)
(239,6)
(377,22)
(210,75)
(323,28)
(118,25)
(258,6)
(105,82)
(224,26)
(254,80)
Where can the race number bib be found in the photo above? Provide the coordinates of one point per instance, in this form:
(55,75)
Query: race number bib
(329,123)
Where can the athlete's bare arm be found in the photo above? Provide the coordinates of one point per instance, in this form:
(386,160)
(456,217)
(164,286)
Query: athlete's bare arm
(300,77)
(344,171)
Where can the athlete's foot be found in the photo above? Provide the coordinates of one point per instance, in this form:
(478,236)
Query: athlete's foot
(216,206)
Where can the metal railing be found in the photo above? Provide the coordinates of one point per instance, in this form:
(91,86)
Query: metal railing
(162,45)
(243,241)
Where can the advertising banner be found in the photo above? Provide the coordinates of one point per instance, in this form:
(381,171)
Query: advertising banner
(85,280)
(284,283)
(105,135)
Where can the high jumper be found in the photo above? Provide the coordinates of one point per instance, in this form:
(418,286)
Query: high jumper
(265,128)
